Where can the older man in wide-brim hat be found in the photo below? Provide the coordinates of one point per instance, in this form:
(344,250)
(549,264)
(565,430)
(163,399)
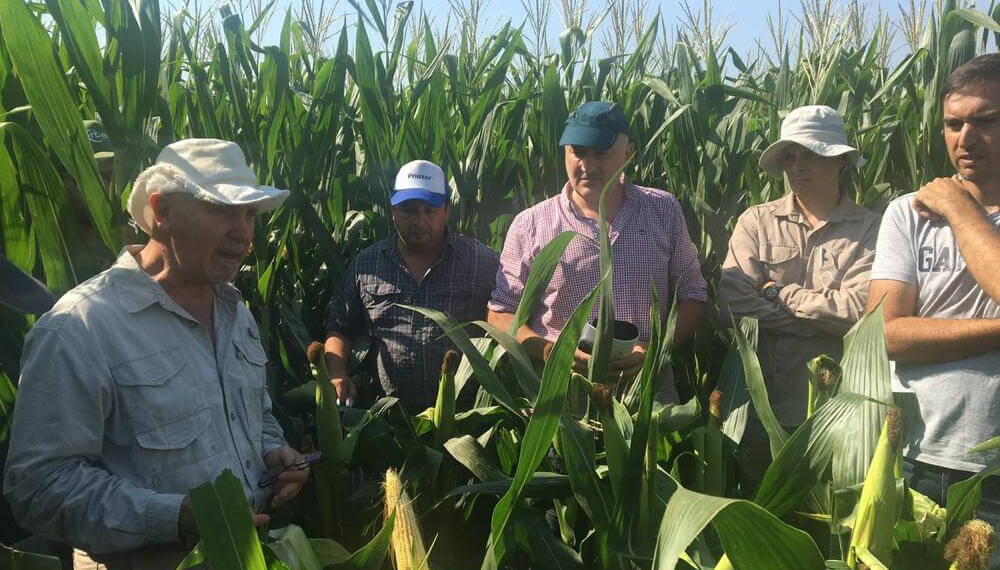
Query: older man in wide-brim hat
(799,264)
(148,379)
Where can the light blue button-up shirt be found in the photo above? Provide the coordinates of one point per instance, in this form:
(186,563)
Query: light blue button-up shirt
(124,405)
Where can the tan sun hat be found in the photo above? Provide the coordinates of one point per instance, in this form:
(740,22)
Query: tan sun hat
(209,169)
(819,129)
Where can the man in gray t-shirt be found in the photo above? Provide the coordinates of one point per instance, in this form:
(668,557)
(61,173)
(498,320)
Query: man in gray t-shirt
(934,266)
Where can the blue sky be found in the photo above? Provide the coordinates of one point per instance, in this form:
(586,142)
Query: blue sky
(746,20)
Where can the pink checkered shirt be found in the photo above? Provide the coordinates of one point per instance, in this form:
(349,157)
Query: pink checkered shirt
(649,244)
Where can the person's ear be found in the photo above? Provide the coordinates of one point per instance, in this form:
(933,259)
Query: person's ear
(162,207)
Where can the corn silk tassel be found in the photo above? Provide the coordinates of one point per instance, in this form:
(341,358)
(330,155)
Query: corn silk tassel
(879,503)
(444,407)
(972,546)
(408,552)
(823,376)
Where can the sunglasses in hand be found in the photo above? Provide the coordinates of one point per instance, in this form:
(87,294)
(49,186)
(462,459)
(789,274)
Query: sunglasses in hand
(307,460)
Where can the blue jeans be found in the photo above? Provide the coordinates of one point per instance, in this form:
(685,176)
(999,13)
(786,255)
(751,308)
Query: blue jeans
(933,481)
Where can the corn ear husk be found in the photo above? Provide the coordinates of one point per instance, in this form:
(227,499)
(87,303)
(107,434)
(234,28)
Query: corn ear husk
(878,507)
(408,552)
(444,407)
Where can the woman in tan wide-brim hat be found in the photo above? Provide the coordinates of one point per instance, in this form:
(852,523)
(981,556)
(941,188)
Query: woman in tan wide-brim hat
(800,265)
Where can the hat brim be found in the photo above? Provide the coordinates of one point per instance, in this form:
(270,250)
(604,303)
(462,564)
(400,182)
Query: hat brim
(266,198)
(433,198)
(576,135)
(21,291)
(103,155)
(770,160)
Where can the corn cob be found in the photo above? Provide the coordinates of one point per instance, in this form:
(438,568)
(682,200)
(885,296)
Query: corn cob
(408,551)
(972,546)
(715,469)
(878,506)
(330,439)
(444,407)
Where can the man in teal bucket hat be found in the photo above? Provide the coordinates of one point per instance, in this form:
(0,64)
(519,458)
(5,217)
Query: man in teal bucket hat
(649,242)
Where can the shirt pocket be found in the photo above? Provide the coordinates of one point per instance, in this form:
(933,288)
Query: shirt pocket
(782,263)
(163,407)
(379,298)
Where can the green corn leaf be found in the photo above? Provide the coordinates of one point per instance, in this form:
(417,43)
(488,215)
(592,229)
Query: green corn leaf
(484,372)
(751,536)
(228,538)
(864,371)
(44,84)
(542,268)
(542,426)
(16,560)
(758,391)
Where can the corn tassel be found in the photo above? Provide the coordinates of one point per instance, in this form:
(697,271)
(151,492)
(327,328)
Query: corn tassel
(408,551)
(972,546)
(879,503)
(444,407)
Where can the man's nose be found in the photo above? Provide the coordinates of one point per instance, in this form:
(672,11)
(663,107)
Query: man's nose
(967,136)
(243,225)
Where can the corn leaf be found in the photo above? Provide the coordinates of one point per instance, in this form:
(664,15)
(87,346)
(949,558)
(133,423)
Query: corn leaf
(751,536)
(542,426)
(228,538)
(864,371)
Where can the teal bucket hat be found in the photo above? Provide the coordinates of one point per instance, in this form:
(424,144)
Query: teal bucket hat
(595,124)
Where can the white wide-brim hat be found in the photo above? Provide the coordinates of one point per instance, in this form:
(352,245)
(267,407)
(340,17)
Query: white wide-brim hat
(819,129)
(208,169)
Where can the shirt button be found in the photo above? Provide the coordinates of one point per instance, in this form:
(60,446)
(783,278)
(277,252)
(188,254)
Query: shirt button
(249,464)
(232,416)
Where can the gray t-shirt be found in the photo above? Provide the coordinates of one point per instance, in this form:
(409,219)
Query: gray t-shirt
(948,407)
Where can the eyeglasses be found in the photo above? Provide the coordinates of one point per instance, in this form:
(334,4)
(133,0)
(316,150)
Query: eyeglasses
(307,460)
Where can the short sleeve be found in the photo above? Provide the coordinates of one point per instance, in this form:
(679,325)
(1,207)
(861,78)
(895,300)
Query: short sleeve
(685,267)
(515,266)
(894,248)
(346,315)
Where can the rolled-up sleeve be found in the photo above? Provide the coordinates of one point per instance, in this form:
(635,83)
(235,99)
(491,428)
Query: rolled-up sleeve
(515,266)
(53,477)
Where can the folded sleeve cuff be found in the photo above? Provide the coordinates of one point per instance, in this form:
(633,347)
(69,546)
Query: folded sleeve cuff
(162,513)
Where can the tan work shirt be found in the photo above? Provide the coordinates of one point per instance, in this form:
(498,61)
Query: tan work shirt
(823,272)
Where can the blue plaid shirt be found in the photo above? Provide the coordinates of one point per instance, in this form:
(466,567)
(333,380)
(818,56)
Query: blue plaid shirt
(410,347)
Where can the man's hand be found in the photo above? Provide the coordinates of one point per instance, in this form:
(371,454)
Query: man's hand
(625,369)
(942,198)
(346,391)
(290,481)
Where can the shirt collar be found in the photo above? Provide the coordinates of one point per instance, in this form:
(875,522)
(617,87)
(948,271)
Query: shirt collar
(846,209)
(629,194)
(137,290)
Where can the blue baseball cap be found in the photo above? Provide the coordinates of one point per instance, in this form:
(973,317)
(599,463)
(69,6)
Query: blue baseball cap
(420,180)
(595,124)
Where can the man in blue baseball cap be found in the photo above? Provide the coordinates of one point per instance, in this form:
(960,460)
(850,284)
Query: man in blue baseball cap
(649,241)
(422,263)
